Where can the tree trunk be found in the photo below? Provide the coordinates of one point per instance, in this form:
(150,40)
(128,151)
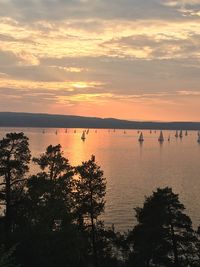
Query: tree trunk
(8,208)
(93,230)
(94,243)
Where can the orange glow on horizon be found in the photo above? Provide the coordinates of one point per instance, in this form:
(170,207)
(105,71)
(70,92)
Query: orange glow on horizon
(144,67)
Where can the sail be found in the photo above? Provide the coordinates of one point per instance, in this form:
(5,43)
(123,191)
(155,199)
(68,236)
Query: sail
(83,136)
(161,137)
(181,134)
(141,138)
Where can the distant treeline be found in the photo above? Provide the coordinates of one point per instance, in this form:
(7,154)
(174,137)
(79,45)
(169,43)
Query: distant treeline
(12,119)
(52,218)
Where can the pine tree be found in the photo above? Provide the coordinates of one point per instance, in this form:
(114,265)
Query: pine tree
(164,234)
(53,164)
(50,191)
(46,232)
(90,193)
(14,159)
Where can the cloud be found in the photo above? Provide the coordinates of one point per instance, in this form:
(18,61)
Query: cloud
(160,46)
(8,58)
(60,54)
(186,8)
(52,10)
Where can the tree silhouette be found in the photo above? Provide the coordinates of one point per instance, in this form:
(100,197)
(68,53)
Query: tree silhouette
(53,163)
(50,191)
(45,229)
(90,193)
(164,234)
(14,159)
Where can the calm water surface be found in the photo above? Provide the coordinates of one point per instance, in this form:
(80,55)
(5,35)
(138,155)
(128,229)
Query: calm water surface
(132,170)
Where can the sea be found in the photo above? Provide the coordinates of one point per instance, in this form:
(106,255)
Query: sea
(133,170)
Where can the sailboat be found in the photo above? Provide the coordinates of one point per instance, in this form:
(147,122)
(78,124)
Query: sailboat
(87,132)
(56,132)
(74,131)
(181,134)
(43,131)
(176,135)
(186,133)
(161,138)
(141,138)
(168,138)
(65,130)
(83,136)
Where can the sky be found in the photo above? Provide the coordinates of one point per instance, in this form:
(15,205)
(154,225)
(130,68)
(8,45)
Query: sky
(128,59)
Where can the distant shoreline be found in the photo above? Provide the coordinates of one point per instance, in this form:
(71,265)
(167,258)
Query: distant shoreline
(36,120)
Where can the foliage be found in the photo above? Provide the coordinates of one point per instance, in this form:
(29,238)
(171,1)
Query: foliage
(14,160)
(7,258)
(164,234)
(48,198)
(90,191)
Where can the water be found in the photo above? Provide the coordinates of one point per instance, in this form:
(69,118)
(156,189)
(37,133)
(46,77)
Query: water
(132,170)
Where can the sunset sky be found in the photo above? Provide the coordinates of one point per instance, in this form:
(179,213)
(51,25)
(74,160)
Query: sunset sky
(129,59)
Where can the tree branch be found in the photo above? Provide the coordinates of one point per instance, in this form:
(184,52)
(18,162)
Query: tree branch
(16,181)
